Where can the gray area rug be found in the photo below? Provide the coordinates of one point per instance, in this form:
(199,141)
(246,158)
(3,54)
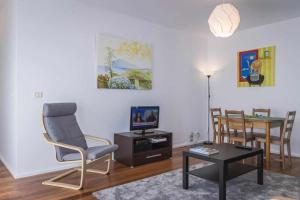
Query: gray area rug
(168,186)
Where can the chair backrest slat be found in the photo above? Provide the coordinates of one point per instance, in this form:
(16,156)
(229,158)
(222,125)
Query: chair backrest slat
(235,120)
(261,111)
(215,113)
(288,125)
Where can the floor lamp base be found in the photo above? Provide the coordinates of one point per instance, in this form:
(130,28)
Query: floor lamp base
(208,143)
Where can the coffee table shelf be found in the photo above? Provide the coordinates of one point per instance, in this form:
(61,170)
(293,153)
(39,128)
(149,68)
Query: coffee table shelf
(227,164)
(211,172)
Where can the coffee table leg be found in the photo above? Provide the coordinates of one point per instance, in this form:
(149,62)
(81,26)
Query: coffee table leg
(185,170)
(222,180)
(260,169)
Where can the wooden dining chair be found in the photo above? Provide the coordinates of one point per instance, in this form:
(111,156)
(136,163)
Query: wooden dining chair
(236,127)
(260,112)
(284,138)
(215,114)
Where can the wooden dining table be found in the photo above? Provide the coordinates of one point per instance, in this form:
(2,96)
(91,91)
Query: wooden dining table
(260,122)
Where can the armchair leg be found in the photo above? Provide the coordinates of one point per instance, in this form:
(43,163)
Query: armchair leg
(98,171)
(83,173)
(53,181)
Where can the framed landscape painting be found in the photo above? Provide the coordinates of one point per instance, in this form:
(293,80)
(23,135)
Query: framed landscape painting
(256,67)
(123,64)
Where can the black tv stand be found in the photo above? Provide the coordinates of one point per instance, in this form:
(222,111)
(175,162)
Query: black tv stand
(144,132)
(138,148)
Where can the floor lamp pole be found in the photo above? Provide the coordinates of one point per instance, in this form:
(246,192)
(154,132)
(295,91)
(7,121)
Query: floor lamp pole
(208,111)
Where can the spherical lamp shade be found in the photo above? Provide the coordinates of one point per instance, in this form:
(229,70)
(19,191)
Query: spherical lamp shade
(224,20)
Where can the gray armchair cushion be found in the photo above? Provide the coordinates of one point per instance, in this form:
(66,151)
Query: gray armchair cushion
(59,109)
(61,126)
(92,153)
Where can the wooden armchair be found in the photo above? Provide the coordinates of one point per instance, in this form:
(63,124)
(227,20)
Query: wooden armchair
(63,132)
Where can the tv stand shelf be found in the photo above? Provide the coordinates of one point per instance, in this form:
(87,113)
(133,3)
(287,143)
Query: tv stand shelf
(137,149)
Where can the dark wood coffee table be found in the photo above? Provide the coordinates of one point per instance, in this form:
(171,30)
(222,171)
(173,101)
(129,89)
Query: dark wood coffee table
(225,166)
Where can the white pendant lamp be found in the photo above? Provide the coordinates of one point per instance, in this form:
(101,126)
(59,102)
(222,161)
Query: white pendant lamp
(224,20)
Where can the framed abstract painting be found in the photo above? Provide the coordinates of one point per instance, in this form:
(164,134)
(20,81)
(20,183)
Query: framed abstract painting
(123,64)
(256,67)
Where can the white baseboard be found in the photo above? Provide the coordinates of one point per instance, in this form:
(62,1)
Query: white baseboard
(16,175)
(8,166)
(276,151)
(273,150)
(186,144)
(64,166)
(181,145)
(43,171)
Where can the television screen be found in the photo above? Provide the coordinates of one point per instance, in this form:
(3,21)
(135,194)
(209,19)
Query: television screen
(144,117)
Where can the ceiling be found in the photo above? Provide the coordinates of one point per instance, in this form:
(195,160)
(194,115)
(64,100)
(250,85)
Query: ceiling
(192,15)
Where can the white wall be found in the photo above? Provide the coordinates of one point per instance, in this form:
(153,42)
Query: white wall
(56,55)
(281,98)
(8,87)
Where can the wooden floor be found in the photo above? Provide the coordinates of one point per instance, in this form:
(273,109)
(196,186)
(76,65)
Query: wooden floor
(31,187)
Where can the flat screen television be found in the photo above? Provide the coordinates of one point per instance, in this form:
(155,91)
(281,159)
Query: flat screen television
(144,118)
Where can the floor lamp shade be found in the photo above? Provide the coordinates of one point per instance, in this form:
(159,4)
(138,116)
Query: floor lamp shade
(224,20)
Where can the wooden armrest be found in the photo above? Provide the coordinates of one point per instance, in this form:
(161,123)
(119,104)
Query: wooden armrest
(59,144)
(90,137)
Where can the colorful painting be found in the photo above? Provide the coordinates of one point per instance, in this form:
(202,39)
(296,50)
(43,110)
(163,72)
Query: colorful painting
(256,67)
(123,64)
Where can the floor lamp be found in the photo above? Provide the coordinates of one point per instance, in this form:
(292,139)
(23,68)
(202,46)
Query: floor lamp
(208,74)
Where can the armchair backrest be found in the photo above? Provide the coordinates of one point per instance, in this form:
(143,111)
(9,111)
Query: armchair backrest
(61,126)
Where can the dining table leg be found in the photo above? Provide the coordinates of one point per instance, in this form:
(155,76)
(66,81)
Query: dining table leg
(219,129)
(268,145)
(282,149)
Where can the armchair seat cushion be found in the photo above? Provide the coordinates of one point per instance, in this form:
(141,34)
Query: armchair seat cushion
(92,153)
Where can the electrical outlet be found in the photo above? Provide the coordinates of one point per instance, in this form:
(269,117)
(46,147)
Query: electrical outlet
(198,136)
(38,95)
(192,136)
